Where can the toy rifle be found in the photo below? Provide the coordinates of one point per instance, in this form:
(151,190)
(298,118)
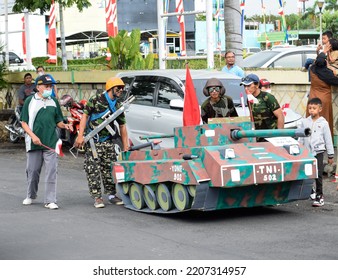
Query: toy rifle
(108,118)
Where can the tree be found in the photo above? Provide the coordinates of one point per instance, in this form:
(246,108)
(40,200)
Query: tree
(331,5)
(125,51)
(43,6)
(232,28)
(3,69)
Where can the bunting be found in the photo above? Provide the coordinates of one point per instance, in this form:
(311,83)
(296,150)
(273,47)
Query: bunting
(180,18)
(281,12)
(24,49)
(267,42)
(111,18)
(242,6)
(217,16)
(52,35)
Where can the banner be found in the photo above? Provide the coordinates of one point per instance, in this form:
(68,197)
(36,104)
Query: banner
(284,28)
(24,49)
(111,18)
(180,18)
(52,35)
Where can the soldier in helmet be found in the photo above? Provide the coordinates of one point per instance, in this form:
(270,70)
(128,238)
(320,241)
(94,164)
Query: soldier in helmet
(97,168)
(217,105)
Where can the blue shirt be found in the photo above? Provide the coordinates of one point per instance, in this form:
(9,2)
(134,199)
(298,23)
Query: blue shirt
(236,70)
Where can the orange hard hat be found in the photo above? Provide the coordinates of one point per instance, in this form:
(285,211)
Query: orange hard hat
(114,82)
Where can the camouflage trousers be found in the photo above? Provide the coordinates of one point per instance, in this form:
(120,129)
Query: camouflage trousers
(98,171)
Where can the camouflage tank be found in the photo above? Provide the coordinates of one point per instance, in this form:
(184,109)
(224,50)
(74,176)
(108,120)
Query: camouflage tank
(216,166)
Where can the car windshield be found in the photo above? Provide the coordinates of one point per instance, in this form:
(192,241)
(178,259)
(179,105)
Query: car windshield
(258,59)
(232,87)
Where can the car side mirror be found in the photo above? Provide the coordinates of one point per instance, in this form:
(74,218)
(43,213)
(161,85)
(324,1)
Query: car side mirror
(176,104)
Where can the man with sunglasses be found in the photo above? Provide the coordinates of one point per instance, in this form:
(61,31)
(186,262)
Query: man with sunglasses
(217,105)
(230,66)
(265,109)
(98,168)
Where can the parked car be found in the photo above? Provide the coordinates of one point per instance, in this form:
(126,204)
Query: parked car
(16,63)
(280,58)
(251,50)
(159,94)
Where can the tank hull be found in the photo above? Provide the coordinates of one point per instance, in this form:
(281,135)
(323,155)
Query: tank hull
(208,170)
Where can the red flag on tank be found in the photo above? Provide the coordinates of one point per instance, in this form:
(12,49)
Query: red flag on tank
(52,35)
(191,109)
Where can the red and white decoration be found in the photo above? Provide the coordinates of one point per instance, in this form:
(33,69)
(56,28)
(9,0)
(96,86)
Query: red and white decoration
(52,35)
(111,18)
(180,18)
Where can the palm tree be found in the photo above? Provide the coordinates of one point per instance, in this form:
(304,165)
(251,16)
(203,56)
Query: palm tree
(331,5)
(232,28)
(311,13)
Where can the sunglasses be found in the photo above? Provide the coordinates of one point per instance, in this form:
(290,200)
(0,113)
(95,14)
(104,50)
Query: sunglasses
(119,88)
(211,89)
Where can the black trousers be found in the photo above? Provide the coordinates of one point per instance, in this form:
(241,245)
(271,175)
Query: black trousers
(319,181)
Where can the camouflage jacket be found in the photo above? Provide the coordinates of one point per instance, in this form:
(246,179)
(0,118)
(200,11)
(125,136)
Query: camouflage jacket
(96,105)
(223,108)
(262,111)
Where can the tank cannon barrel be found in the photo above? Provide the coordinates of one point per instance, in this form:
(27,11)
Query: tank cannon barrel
(299,132)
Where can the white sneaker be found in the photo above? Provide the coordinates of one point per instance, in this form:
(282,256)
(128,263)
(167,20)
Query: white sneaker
(51,206)
(27,201)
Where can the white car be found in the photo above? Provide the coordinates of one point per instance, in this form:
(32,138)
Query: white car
(15,62)
(292,57)
(158,103)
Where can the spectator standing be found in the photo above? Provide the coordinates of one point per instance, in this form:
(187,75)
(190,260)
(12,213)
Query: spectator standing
(231,67)
(100,167)
(321,47)
(40,116)
(322,79)
(26,90)
(41,71)
(265,85)
(319,142)
(265,109)
(217,105)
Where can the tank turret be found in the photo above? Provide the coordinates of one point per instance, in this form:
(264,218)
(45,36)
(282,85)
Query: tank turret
(217,166)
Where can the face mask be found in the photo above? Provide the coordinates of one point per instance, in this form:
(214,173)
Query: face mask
(40,73)
(46,93)
(268,90)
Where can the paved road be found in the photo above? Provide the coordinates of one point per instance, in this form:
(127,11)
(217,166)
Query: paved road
(79,231)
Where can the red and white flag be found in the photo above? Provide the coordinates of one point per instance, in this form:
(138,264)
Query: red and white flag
(52,35)
(111,18)
(24,49)
(191,109)
(180,18)
(58,148)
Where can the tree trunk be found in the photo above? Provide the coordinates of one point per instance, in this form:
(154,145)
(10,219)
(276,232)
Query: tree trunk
(232,28)
(63,40)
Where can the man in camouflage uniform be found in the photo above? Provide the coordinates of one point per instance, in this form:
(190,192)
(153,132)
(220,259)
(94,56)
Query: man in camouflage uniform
(217,105)
(100,167)
(264,107)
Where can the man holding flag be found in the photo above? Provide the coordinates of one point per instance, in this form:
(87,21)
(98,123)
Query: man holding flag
(40,116)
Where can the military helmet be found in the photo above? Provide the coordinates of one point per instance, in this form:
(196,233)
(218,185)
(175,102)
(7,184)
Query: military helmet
(213,82)
(114,82)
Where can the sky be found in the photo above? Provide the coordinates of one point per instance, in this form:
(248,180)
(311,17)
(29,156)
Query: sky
(253,7)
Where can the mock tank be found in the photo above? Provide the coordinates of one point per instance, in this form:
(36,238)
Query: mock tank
(217,166)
